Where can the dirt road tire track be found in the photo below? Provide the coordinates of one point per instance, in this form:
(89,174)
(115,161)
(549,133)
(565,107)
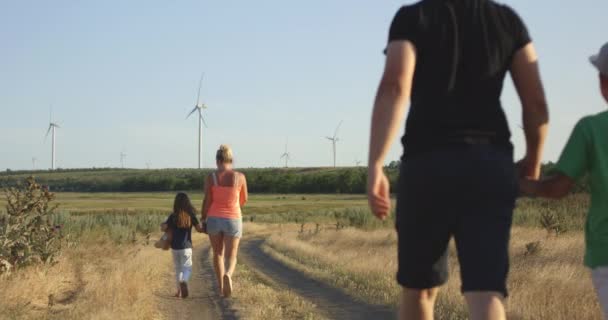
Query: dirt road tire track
(333,302)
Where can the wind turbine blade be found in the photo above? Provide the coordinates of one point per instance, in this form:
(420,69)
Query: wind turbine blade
(200,86)
(203,119)
(330,138)
(338,128)
(191,112)
(47,132)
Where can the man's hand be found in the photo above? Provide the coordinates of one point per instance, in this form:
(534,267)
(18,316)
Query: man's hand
(378,193)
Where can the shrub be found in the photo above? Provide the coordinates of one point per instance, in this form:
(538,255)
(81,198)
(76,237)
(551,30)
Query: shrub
(26,233)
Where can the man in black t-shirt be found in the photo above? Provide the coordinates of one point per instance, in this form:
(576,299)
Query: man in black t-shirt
(458,179)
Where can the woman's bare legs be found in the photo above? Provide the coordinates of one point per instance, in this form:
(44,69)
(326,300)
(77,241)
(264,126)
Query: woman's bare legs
(217,244)
(232,247)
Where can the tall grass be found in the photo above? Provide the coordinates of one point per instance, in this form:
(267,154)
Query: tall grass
(119,226)
(550,283)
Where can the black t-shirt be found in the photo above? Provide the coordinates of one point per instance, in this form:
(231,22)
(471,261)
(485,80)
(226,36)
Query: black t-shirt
(464,50)
(182,237)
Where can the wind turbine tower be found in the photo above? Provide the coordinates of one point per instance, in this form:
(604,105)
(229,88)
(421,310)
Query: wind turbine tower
(199,106)
(52,127)
(334,140)
(286,155)
(123,156)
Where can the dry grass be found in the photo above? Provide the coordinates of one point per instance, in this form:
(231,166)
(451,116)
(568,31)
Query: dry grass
(259,298)
(549,284)
(95,280)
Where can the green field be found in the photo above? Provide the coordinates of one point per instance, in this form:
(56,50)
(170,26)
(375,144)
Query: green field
(163,201)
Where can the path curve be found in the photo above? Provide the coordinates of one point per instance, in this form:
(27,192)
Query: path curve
(333,302)
(203,302)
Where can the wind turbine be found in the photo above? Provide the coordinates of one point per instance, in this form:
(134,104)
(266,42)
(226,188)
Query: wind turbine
(34,163)
(123,156)
(52,127)
(199,106)
(335,140)
(286,155)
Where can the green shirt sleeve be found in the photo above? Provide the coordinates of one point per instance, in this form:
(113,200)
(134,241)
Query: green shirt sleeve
(574,161)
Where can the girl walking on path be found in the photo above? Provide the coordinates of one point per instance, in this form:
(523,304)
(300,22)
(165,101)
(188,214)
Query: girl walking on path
(451,57)
(225,194)
(180,222)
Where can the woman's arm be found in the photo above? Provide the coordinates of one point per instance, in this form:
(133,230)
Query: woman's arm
(244,194)
(164,226)
(554,187)
(389,109)
(526,77)
(207,200)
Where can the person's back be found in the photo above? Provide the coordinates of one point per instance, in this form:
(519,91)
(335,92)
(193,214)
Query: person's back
(449,59)
(225,190)
(595,130)
(464,50)
(180,222)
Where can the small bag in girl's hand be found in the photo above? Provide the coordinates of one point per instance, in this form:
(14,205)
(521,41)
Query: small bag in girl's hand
(165,241)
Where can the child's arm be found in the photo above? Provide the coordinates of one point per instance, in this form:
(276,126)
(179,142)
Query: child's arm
(165,225)
(555,186)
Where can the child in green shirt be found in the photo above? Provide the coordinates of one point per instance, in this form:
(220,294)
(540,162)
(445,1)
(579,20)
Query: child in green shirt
(586,153)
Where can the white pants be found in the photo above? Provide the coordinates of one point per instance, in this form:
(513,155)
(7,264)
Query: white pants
(600,282)
(182,259)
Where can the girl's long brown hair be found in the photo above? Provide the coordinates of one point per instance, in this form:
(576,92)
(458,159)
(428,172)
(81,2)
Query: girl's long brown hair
(183,210)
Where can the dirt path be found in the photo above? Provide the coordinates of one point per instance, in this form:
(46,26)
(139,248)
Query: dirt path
(334,303)
(204,303)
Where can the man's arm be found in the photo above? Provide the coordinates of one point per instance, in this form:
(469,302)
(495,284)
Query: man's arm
(389,109)
(526,78)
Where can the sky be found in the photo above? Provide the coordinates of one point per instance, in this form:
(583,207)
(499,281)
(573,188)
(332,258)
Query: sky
(121,76)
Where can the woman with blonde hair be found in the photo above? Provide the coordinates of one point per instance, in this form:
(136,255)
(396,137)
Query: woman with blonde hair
(225,194)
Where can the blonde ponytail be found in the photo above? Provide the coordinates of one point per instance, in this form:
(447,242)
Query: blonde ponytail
(224,154)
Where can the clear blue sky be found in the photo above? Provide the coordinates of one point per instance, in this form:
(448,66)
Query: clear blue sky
(122,75)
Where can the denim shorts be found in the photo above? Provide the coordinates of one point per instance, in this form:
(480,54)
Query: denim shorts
(462,192)
(227,227)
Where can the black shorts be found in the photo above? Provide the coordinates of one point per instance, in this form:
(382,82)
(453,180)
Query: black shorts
(465,192)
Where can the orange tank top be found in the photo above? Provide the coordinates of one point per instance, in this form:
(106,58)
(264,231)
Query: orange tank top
(225,203)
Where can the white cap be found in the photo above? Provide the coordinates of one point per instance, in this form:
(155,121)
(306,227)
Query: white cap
(600,60)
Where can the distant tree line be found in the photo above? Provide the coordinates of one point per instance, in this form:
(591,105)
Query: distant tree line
(307,181)
(297,180)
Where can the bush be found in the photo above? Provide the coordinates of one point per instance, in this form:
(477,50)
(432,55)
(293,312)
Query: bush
(26,233)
